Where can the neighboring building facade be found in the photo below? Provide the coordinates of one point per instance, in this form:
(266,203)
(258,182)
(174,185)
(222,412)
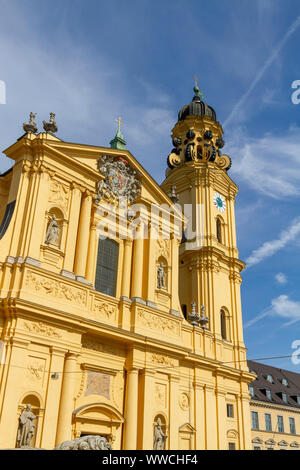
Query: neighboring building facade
(275,408)
(98,334)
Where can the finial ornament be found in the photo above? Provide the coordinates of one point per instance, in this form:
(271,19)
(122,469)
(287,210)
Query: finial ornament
(196,89)
(31,126)
(50,126)
(196,319)
(203,320)
(118,142)
(119,121)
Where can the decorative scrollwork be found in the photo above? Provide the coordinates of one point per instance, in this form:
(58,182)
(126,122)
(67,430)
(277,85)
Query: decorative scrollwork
(120,180)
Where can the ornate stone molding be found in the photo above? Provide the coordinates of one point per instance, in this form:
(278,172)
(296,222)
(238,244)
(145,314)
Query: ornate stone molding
(120,180)
(235,277)
(58,290)
(184,401)
(59,194)
(90,343)
(42,329)
(163,248)
(154,322)
(161,359)
(104,309)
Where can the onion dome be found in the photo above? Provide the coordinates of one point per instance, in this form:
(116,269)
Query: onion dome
(197,107)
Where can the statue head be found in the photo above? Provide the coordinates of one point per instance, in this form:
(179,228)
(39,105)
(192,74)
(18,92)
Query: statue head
(28,407)
(158,422)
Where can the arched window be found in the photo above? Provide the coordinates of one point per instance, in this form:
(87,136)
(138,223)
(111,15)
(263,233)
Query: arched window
(223,325)
(107,266)
(219,230)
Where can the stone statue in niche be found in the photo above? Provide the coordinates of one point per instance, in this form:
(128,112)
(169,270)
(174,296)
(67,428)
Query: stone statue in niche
(159,436)
(52,233)
(26,427)
(161,276)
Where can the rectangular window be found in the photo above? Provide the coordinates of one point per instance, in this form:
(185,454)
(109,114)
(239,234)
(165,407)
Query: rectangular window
(280,427)
(268,422)
(292,425)
(231,446)
(229,411)
(256,448)
(107,266)
(255,424)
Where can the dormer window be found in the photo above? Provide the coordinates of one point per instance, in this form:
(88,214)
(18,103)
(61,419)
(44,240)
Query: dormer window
(285,382)
(284,397)
(269,378)
(251,391)
(267,392)
(298,399)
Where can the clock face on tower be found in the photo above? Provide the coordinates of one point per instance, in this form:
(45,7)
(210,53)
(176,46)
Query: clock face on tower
(219,202)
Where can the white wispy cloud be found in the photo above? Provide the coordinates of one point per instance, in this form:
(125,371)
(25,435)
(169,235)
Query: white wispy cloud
(282,307)
(269,164)
(271,247)
(85,92)
(262,70)
(281,278)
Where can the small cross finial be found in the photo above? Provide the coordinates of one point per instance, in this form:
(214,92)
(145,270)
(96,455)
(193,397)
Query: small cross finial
(119,123)
(196,88)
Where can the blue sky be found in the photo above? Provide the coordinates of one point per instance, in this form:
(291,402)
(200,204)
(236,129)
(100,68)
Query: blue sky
(92,61)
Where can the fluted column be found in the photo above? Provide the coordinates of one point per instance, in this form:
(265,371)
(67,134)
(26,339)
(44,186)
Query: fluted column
(126,273)
(145,438)
(64,425)
(152,276)
(174,419)
(92,254)
(83,235)
(137,267)
(130,440)
(72,229)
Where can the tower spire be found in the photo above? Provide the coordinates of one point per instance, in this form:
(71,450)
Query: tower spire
(118,142)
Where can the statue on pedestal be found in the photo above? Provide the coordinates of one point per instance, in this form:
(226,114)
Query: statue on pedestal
(31,126)
(50,126)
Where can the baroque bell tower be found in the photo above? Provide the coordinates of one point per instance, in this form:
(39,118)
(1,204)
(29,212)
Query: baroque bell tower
(209,266)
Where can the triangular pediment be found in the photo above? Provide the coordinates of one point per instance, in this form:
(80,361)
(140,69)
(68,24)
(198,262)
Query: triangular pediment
(187,428)
(257,440)
(283,443)
(88,155)
(270,442)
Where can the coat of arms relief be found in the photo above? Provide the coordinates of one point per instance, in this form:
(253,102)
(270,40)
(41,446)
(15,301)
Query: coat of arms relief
(120,181)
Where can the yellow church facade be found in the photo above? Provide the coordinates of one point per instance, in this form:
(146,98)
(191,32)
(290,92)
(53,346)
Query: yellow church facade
(100,326)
